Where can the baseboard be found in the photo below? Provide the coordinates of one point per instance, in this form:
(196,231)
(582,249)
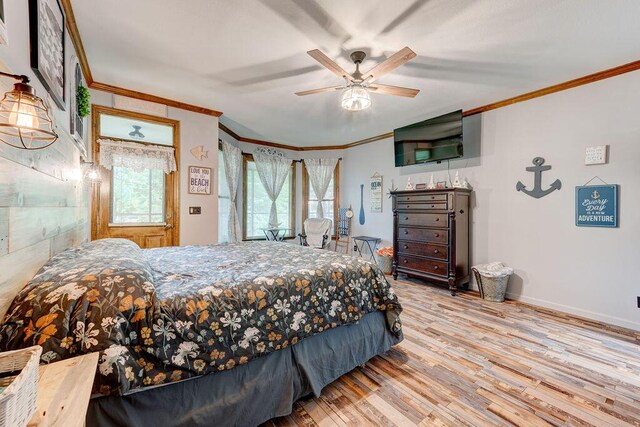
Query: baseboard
(612,320)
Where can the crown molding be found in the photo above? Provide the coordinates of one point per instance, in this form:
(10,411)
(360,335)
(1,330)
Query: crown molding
(153,98)
(72,28)
(591,78)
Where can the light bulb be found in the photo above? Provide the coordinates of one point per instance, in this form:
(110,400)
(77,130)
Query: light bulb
(24,115)
(356,98)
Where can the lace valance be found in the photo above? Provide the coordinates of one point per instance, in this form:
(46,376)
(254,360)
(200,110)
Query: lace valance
(136,156)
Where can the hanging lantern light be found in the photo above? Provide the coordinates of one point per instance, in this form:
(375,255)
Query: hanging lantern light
(24,119)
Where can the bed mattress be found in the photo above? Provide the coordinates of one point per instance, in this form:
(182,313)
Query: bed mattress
(165,315)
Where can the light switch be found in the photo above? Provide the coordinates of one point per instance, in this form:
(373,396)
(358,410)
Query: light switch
(596,155)
(195,210)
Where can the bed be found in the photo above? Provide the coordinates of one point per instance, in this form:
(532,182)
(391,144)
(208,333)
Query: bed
(200,332)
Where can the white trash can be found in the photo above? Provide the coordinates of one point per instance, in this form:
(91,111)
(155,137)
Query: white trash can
(492,280)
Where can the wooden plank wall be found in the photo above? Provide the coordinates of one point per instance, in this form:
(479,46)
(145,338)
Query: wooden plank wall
(44,209)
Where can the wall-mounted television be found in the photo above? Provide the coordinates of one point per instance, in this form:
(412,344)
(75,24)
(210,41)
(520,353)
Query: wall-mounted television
(432,140)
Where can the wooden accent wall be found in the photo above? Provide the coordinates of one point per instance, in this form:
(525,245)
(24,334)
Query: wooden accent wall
(44,209)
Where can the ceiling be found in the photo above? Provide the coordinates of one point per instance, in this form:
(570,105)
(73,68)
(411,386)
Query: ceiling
(247,58)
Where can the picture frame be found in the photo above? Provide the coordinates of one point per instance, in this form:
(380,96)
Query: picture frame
(4,38)
(375,193)
(200,180)
(597,206)
(47,38)
(77,124)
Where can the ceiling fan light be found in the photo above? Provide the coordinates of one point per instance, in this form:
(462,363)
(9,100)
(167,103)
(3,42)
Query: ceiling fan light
(356,98)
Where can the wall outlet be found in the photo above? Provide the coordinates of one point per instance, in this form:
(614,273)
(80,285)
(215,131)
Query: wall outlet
(596,155)
(638,302)
(195,210)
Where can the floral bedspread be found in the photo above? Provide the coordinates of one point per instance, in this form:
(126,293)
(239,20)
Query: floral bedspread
(164,315)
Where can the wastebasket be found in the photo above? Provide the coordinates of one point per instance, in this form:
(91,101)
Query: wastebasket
(385,259)
(492,280)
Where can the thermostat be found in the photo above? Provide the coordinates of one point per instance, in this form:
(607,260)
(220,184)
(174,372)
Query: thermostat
(596,155)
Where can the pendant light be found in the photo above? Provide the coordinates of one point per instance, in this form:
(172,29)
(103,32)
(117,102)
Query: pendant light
(24,119)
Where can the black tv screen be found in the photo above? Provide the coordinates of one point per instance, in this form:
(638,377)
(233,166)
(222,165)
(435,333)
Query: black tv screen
(432,140)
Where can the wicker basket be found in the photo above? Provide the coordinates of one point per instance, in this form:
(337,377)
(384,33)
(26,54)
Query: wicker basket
(19,397)
(385,263)
(492,280)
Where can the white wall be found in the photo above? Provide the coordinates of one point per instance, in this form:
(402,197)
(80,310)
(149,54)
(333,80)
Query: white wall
(592,272)
(195,130)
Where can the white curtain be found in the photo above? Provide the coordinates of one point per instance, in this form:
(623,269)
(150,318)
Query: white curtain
(320,174)
(273,171)
(136,156)
(232,164)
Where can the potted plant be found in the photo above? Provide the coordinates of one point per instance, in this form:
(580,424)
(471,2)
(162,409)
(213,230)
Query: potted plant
(83,101)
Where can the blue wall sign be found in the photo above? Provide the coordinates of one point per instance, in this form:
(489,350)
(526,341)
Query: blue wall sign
(597,206)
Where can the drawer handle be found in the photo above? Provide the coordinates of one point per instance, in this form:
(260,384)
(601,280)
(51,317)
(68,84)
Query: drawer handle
(435,251)
(437,219)
(407,232)
(406,247)
(435,267)
(433,197)
(410,206)
(433,206)
(406,218)
(437,234)
(405,261)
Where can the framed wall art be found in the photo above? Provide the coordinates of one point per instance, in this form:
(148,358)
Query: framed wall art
(4,39)
(46,33)
(200,180)
(597,206)
(375,193)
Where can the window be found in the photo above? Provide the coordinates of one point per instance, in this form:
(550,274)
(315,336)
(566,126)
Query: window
(330,201)
(137,197)
(257,205)
(224,200)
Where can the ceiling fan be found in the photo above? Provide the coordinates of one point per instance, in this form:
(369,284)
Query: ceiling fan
(358,85)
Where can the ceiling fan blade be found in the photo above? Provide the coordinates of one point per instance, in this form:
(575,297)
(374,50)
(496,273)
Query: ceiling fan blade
(324,89)
(328,63)
(391,63)
(393,90)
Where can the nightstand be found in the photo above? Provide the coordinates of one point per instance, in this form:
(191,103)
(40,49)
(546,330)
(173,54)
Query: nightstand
(64,389)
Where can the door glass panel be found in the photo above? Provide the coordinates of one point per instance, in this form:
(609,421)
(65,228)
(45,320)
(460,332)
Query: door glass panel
(134,129)
(137,197)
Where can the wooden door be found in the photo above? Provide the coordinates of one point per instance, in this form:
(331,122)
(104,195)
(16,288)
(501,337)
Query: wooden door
(142,206)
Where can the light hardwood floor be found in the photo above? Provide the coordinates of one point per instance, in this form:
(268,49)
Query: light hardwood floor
(465,361)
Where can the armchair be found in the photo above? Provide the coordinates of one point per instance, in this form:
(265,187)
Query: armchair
(317,232)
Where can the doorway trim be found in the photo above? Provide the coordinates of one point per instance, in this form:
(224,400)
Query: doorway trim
(96,110)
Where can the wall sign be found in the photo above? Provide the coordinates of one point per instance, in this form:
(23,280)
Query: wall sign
(199,180)
(597,206)
(375,193)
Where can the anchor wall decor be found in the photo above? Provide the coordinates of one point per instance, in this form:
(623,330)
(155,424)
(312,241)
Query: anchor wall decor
(537,191)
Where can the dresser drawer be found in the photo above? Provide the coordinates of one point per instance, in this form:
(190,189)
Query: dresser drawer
(423,219)
(437,268)
(423,249)
(423,235)
(422,198)
(423,206)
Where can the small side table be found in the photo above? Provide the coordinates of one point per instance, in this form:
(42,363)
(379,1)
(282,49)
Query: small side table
(275,234)
(64,389)
(371,242)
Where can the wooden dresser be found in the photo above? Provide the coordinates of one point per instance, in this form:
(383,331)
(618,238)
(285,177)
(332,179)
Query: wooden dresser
(431,235)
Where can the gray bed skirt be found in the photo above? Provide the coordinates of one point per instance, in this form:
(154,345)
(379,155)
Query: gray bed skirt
(251,394)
